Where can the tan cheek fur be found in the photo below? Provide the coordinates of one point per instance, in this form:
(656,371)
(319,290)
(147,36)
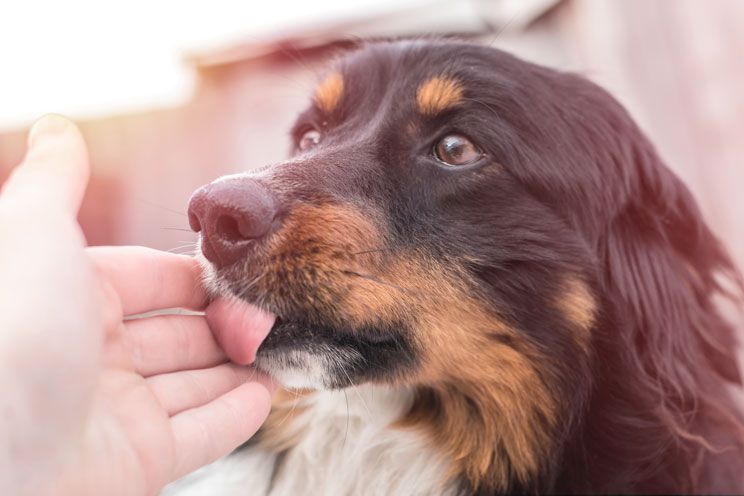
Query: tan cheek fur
(315,252)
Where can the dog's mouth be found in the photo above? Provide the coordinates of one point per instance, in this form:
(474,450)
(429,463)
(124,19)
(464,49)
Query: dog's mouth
(303,353)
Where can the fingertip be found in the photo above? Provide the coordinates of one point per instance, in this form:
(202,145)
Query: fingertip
(54,173)
(206,433)
(49,125)
(258,396)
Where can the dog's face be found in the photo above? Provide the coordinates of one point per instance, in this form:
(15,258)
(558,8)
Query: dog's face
(497,234)
(400,242)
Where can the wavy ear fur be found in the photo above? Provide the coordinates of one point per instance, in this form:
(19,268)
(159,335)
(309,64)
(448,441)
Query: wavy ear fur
(663,269)
(665,264)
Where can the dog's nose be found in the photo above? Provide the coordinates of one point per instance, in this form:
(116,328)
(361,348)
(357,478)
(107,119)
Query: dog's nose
(231,214)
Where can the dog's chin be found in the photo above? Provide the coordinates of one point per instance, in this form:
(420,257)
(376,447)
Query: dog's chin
(299,356)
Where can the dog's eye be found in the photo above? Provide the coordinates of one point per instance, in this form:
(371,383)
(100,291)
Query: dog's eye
(309,139)
(455,149)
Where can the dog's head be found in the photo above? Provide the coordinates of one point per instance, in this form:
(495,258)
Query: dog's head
(496,233)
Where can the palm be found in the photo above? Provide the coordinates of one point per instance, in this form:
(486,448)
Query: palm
(127,425)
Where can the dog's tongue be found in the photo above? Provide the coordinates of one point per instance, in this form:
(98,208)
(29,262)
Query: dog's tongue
(239,327)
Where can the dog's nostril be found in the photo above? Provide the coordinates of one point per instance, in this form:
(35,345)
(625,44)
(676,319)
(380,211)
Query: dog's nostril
(228,228)
(194,222)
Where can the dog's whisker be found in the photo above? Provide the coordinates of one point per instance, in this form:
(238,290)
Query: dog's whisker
(346,433)
(502,29)
(181,251)
(486,106)
(372,278)
(295,401)
(296,57)
(162,207)
(183,248)
(374,250)
(361,398)
(356,253)
(187,248)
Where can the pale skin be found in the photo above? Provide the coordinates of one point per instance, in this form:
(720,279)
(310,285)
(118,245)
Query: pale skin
(92,403)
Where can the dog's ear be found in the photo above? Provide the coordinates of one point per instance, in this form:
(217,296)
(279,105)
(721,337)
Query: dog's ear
(664,264)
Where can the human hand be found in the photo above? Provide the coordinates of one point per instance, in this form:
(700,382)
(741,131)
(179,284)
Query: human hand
(93,403)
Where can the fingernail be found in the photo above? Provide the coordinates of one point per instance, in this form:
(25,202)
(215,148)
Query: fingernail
(48,125)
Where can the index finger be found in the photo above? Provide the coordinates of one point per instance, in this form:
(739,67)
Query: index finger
(147,279)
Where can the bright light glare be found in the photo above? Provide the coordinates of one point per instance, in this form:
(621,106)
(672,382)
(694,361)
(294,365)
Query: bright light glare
(88,58)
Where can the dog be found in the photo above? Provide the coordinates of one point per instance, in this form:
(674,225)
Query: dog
(486,282)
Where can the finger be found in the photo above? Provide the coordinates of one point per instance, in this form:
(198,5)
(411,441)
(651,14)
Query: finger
(55,171)
(179,391)
(148,279)
(204,434)
(168,343)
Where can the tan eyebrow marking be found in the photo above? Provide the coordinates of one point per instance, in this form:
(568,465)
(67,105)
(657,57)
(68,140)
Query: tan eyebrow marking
(329,93)
(437,94)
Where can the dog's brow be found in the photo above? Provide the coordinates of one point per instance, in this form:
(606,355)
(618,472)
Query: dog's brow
(437,94)
(329,92)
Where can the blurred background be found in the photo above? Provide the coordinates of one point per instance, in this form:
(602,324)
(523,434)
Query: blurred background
(171,94)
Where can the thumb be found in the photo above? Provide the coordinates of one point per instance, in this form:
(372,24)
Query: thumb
(55,171)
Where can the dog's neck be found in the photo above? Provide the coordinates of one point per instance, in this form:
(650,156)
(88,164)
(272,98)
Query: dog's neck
(330,442)
(346,442)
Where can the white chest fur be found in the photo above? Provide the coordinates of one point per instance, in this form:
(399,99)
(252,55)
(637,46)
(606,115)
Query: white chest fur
(345,446)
